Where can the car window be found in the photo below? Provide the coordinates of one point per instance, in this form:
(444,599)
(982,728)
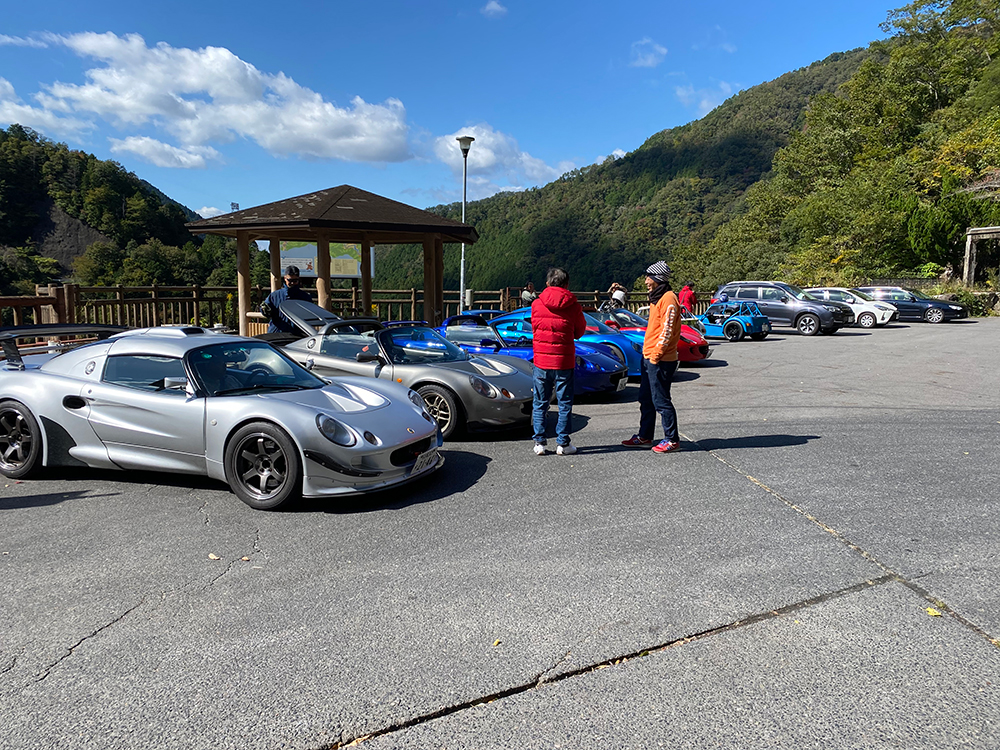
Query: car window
(515,326)
(468,335)
(834,294)
(418,345)
(747,292)
(345,345)
(143,372)
(898,295)
(770,292)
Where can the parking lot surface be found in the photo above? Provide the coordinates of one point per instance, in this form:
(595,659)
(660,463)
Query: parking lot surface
(817,568)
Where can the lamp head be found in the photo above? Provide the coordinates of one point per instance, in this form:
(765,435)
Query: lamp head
(465,143)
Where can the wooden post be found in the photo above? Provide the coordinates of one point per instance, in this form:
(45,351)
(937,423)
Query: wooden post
(366,274)
(430,282)
(72,295)
(413,303)
(323,271)
(156,305)
(274,255)
(439,278)
(120,307)
(969,272)
(243,280)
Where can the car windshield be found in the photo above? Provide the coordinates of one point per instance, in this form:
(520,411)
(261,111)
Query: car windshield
(417,345)
(798,293)
(629,318)
(469,334)
(918,294)
(593,322)
(862,295)
(244,366)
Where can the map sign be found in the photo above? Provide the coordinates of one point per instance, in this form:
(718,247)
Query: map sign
(345,259)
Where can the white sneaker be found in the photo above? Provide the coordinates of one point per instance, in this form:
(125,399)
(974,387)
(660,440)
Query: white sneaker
(540,449)
(565,450)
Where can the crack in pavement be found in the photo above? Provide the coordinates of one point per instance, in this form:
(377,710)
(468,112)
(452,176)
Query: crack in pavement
(643,653)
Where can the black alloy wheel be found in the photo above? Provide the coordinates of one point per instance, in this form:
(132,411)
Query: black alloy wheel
(733,331)
(262,466)
(20,441)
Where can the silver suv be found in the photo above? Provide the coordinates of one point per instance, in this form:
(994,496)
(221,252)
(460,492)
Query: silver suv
(787,305)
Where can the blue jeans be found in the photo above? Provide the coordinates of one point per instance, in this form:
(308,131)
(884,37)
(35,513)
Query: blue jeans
(654,398)
(545,381)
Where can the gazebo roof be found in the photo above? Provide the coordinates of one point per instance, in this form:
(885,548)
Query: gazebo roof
(344,213)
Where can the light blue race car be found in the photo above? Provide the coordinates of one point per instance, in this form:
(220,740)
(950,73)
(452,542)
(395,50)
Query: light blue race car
(733,320)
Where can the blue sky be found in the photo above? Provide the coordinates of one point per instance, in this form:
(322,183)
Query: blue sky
(219,103)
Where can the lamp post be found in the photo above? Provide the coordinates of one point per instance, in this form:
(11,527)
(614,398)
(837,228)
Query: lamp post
(464,143)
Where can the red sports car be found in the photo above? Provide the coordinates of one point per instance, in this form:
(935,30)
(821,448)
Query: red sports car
(693,347)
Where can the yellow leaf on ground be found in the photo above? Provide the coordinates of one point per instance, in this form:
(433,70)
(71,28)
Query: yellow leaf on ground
(933,612)
(497,642)
(245,559)
(213,556)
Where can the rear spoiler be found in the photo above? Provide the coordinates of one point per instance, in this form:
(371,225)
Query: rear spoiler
(9,337)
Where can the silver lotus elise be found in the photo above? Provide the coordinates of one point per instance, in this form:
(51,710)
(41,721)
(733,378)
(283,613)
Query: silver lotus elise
(188,400)
(460,390)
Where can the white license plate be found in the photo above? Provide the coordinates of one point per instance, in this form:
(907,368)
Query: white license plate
(766,327)
(621,384)
(424,460)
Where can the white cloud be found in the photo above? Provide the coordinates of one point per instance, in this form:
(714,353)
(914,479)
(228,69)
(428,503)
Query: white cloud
(616,154)
(209,95)
(18,41)
(647,54)
(704,100)
(207,212)
(13,109)
(163,154)
(496,162)
(493,9)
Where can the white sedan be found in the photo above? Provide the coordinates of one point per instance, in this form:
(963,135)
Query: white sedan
(868,312)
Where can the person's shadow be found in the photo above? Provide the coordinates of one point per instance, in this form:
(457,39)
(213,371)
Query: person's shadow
(712,444)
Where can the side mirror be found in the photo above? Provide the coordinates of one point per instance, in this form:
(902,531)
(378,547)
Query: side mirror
(491,343)
(369,357)
(175,384)
(784,299)
(911,298)
(309,363)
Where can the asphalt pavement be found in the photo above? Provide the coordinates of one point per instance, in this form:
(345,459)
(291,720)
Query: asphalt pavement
(818,568)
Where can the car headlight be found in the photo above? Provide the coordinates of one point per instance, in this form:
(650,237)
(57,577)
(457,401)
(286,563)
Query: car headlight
(832,309)
(882,307)
(417,400)
(686,340)
(584,364)
(955,307)
(637,347)
(617,354)
(335,431)
(482,387)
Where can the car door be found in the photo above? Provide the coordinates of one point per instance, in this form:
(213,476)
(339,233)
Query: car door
(143,424)
(769,302)
(909,308)
(336,354)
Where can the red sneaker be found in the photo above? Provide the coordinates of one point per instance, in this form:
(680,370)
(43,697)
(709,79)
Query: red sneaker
(636,440)
(665,446)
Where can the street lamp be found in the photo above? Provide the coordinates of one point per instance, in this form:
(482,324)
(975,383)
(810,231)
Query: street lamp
(464,143)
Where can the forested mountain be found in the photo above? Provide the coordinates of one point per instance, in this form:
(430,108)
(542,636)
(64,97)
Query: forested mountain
(609,221)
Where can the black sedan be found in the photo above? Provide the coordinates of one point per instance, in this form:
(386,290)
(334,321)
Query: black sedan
(915,305)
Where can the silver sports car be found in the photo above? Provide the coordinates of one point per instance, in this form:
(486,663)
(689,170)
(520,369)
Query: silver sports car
(188,400)
(460,390)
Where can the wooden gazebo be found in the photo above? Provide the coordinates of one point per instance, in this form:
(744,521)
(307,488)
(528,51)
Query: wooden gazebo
(340,214)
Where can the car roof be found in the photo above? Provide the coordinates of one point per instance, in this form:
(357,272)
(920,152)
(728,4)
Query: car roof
(168,341)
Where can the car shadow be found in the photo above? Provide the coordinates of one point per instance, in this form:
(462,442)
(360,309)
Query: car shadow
(41,500)
(706,364)
(460,472)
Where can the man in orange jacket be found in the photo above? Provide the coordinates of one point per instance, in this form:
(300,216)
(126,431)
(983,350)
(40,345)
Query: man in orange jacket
(659,362)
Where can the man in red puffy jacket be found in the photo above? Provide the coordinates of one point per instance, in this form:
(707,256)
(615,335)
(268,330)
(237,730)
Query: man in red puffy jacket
(556,320)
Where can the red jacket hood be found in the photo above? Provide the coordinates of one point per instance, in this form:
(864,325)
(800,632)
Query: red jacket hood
(557,298)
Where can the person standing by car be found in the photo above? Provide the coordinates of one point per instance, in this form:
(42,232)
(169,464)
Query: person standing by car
(556,321)
(528,295)
(659,362)
(271,307)
(688,298)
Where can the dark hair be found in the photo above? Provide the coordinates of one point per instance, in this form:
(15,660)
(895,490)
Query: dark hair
(557,277)
(292,271)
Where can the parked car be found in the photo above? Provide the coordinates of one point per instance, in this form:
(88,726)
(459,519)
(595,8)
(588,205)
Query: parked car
(787,305)
(691,348)
(188,400)
(687,318)
(734,320)
(868,312)
(460,390)
(915,305)
(597,369)
(626,347)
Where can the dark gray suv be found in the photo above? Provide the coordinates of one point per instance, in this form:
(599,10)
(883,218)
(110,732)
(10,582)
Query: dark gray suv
(787,305)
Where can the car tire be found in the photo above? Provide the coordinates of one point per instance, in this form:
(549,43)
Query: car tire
(934,315)
(20,441)
(733,331)
(443,406)
(759,336)
(262,466)
(867,320)
(807,325)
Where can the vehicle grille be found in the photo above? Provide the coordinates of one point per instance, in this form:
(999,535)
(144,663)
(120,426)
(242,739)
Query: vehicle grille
(408,453)
(617,376)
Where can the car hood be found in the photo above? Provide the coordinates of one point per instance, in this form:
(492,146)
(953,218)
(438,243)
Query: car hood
(344,396)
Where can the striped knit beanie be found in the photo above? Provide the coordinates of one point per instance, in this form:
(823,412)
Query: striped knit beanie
(660,272)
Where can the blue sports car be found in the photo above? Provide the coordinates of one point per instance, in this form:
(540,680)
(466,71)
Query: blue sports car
(626,346)
(597,368)
(733,320)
